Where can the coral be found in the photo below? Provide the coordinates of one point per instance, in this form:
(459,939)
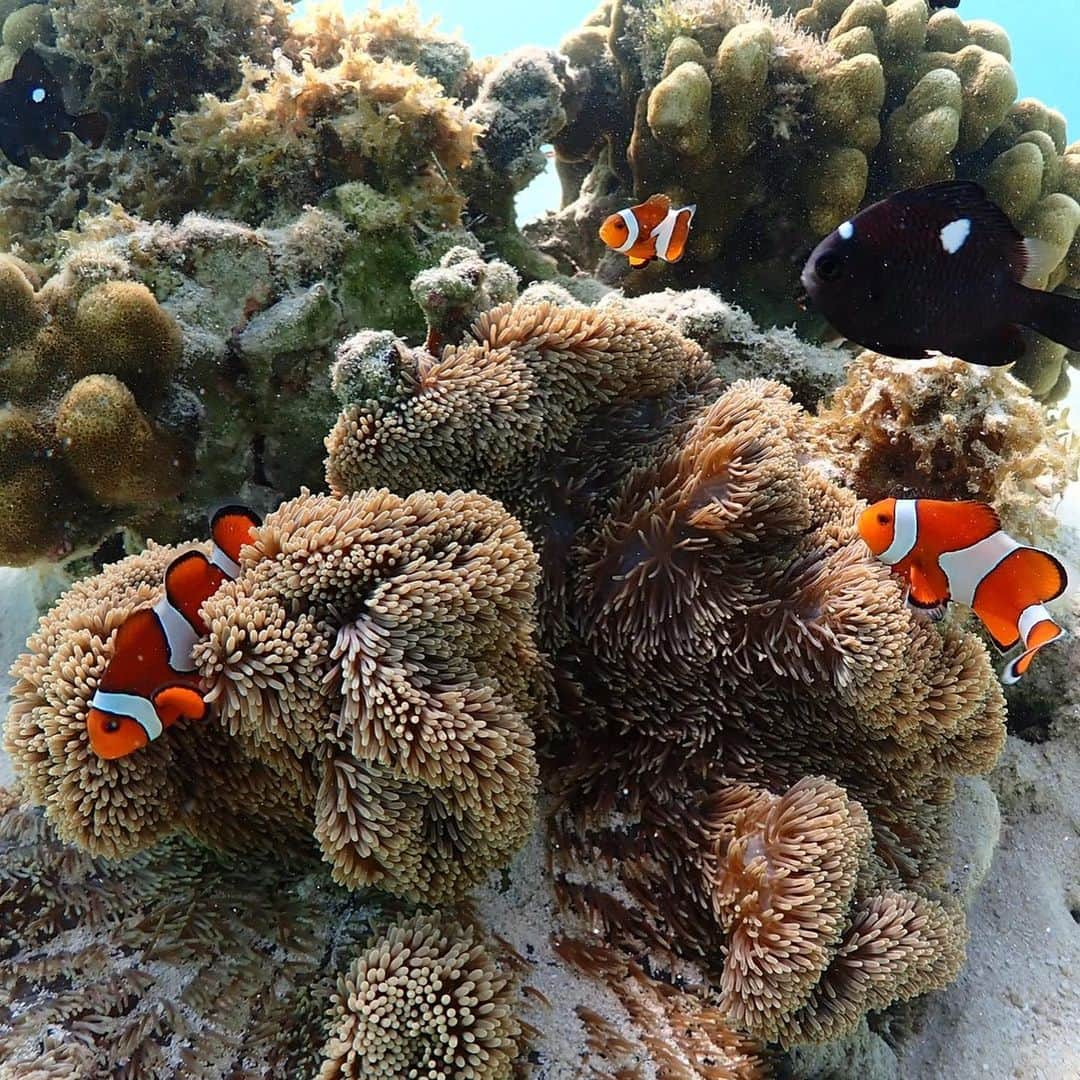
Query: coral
(127,61)
(172,960)
(364,118)
(425,998)
(460,289)
(223,333)
(780,129)
(948,430)
(374,682)
(715,622)
(84,446)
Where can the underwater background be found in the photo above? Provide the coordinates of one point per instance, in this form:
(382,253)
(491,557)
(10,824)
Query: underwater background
(488,591)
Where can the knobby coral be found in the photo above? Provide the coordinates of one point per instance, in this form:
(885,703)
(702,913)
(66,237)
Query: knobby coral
(948,430)
(780,129)
(93,428)
(374,683)
(715,622)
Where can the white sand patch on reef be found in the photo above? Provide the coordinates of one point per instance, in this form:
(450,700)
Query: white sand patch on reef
(1015,1010)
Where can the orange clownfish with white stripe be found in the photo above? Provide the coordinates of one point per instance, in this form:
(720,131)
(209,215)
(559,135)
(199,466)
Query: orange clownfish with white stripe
(150,682)
(958,551)
(651,230)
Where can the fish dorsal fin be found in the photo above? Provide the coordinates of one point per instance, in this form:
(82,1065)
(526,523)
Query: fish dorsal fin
(979,518)
(31,68)
(231,528)
(190,579)
(659,202)
(956,200)
(1042,259)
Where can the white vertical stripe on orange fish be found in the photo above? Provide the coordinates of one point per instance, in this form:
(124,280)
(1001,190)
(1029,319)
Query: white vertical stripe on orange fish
(1030,617)
(138,708)
(180,635)
(905,532)
(225,564)
(632,231)
(967,568)
(663,232)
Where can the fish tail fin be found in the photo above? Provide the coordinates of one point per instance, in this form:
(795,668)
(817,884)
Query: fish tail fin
(1040,635)
(1054,315)
(231,528)
(91,128)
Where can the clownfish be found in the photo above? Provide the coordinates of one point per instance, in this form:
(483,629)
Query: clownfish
(958,551)
(651,230)
(150,682)
(938,269)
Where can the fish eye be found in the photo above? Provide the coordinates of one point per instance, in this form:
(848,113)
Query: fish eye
(112,724)
(620,225)
(828,267)
(883,519)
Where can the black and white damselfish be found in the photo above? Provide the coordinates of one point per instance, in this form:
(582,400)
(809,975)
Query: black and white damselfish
(33,120)
(937,269)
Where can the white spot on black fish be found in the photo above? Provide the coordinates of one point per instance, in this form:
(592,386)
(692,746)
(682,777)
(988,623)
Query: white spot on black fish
(846,231)
(954,236)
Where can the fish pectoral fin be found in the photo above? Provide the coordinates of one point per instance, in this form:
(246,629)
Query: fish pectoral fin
(175,703)
(1005,346)
(928,589)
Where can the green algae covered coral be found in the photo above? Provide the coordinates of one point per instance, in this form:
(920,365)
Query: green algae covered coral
(779,130)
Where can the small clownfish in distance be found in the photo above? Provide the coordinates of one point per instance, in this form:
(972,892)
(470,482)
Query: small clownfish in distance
(958,551)
(938,269)
(150,682)
(651,230)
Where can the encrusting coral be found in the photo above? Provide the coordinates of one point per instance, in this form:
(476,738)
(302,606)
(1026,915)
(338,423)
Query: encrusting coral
(374,684)
(715,622)
(948,430)
(425,999)
(779,130)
